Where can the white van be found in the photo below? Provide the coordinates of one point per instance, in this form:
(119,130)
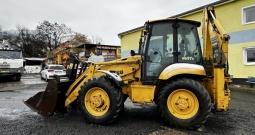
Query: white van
(33,65)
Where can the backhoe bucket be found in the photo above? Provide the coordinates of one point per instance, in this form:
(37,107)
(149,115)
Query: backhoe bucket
(44,103)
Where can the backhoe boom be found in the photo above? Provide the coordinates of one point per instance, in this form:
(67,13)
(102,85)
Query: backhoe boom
(216,60)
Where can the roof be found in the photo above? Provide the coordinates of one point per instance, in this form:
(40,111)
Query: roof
(215,4)
(91,45)
(174,19)
(39,59)
(54,65)
(130,31)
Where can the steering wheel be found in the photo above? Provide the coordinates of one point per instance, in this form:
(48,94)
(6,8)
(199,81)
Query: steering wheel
(156,51)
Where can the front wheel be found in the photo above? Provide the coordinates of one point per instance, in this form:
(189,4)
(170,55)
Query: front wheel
(100,101)
(184,103)
(17,77)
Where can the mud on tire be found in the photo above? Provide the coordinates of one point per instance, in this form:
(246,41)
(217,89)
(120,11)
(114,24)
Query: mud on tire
(100,101)
(184,103)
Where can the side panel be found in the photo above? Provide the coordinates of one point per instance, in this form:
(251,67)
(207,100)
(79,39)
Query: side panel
(33,69)
(142,93)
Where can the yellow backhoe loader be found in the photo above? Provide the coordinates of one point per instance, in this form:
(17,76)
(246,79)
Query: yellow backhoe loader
(170,69)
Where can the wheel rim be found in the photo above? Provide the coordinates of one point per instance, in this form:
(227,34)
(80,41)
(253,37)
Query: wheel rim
(183,104)
(97,101)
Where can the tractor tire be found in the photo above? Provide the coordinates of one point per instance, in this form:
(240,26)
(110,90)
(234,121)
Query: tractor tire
(100,101)
(125,96)
(184,103)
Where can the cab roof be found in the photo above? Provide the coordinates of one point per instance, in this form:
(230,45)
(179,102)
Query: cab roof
(160,20)
(175,19)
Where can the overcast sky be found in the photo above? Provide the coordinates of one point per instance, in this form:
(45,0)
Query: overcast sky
(103,18)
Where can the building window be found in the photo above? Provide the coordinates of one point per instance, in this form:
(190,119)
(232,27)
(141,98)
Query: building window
(249,56)
(99,51)
(249,14)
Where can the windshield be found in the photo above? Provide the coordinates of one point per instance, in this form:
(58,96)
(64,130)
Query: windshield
(57,67)
(10,54)
(33,62)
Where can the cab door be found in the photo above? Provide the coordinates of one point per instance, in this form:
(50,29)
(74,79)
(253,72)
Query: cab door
(158,51)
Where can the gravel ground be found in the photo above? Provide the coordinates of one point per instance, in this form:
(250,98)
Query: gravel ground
(18,119)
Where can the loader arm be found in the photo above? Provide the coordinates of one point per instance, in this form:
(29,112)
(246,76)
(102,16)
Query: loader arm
(215,55)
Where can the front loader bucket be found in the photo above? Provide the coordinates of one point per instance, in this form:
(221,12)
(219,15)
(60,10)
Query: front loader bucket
(44,103)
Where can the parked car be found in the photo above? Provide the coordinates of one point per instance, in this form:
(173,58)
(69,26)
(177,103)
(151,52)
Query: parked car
(50,70)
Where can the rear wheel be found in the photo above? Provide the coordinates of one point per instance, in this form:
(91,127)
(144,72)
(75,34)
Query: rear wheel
(100,101)
(184,103)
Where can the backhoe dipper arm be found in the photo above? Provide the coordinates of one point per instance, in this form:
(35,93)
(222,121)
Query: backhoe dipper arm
(215,55)
(215,39)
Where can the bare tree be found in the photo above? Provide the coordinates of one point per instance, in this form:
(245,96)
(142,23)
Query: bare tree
(28,41)
(1,33)
(54,33)
(96,40)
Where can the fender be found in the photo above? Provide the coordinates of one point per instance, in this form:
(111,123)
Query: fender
(182,68)
(113,76)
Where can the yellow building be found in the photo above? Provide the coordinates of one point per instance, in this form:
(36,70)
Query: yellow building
(237,17)
(61,53)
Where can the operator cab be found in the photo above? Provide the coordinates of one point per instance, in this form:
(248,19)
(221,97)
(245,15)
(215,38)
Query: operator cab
(166,42)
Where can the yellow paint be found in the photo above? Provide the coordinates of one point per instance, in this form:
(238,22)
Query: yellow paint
(183,104)
(127,66)
(72,95)
(97,101)
(220,95)
(141,93)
